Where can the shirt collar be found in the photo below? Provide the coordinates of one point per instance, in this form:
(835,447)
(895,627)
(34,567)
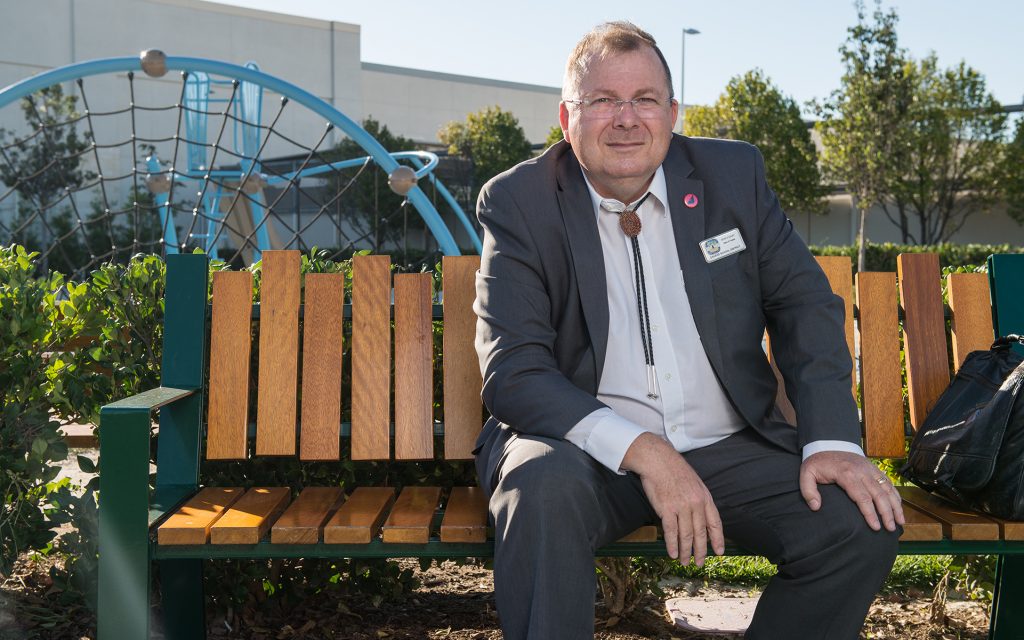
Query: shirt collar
(658,189)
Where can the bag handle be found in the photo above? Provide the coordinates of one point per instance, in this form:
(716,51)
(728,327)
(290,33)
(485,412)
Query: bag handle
(1004,342)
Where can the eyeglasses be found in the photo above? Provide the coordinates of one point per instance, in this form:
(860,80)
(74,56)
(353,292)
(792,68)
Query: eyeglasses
(609,107)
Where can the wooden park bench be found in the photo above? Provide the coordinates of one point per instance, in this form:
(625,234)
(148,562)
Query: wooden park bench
(297,328)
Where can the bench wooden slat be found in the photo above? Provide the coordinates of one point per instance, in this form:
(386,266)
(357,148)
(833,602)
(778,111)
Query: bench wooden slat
(321,366)
(463,409)
(972,314)
(882,383)
(465,516)
(250,517)
(920,526)
(358,521)
(1008,529)
(410,518)
(963,525)
(782,402)
(839,271)
(230,344)
(301,522)
(276,410)
(924,332)
(191,523)
(371,357)
(414,368)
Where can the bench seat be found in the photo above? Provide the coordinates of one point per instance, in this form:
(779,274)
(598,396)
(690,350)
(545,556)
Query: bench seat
(382,525)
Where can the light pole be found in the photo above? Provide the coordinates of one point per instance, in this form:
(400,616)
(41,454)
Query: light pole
(682,76)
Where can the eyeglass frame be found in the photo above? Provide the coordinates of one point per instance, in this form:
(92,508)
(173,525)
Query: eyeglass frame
(618,105)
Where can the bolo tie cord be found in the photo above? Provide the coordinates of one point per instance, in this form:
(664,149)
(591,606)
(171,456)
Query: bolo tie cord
(629,222)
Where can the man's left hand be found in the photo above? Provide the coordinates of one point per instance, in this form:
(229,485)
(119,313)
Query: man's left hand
(868,487)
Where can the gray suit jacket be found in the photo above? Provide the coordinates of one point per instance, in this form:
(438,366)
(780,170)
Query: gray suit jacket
(542,302)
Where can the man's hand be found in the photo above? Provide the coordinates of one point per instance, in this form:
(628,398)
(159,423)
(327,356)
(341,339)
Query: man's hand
(688,515)
(862,481)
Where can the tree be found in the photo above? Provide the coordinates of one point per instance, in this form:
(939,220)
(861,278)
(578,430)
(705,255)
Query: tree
(864,124)
(1012,174)
(42,168)
(369,205)
(491,138)
(753,109)
(955,145)
(555,135)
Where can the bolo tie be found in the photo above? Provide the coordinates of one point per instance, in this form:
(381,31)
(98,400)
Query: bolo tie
(629,222)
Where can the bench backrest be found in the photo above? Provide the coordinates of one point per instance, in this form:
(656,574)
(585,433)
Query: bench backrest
(903,314)
(299,399)
(297,378)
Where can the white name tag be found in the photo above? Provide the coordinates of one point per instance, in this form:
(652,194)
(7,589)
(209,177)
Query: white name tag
(722,245)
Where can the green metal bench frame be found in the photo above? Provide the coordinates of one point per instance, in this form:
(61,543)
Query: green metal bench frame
(127,510)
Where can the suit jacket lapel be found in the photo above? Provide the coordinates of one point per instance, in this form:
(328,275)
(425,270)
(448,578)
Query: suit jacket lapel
(689,225)
(587,256)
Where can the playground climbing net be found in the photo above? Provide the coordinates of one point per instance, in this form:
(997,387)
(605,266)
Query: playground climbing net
(83,183)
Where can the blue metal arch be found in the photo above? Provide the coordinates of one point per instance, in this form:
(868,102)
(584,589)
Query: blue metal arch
(380,155)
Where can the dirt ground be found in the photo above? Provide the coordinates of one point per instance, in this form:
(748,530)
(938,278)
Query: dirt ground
(452,602)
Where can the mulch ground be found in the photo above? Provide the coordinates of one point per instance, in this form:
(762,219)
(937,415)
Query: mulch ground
(453,602)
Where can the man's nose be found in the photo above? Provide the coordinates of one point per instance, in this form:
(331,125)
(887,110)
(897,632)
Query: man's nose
(625,114)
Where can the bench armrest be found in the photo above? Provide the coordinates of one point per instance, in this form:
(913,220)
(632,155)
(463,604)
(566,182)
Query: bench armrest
(124,469)
(147,400)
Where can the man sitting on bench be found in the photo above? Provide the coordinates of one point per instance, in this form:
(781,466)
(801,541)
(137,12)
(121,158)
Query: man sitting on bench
(627,278)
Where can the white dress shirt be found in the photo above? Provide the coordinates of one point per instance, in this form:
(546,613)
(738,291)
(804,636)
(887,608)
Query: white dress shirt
(691,409)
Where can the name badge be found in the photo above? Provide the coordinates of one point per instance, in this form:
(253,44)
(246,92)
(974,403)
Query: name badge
(722,245)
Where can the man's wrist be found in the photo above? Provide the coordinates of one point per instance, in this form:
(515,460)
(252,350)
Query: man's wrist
(605,436)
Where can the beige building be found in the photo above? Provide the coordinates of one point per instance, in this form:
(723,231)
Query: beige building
(321,56)
(839,226)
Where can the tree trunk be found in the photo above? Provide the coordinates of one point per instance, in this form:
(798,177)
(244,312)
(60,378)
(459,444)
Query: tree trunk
(904,231)
(861,248)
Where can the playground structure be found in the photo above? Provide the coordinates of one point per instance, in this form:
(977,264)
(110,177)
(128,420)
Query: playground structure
(214,182)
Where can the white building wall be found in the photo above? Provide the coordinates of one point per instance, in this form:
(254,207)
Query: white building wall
(839,226)
(416,104)
(52,33)
(319,56)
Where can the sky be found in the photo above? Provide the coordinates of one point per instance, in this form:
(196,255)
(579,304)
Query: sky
(795,42)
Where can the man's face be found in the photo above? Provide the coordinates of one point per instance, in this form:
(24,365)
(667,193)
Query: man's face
(621,153)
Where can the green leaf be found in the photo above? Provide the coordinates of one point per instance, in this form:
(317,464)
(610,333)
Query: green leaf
(86,464)
(58,450)
(39,447)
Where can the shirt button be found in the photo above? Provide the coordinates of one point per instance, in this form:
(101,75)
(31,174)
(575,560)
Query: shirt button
(654,328)
(674,428)
(668,376)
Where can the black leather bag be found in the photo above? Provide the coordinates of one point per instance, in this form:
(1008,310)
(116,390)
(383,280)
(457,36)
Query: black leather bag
(970,449)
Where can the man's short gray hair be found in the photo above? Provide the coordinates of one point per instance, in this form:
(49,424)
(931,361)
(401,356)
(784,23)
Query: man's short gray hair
(611,37)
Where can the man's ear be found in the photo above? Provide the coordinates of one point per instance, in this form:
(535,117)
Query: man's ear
(563,120)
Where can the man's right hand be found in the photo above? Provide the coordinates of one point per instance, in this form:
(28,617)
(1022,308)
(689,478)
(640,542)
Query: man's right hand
(688,515)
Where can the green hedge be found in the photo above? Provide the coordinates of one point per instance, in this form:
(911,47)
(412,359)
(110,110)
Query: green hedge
(882,257)
(30,444)
(68,348)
